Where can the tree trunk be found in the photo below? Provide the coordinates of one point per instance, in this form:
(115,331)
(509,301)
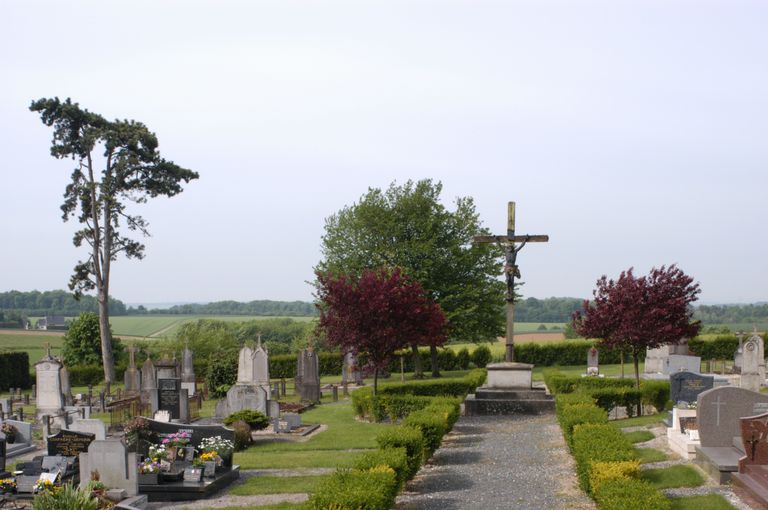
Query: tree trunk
(622,363)
(435,362)
(108,359)
(418,371)
(636,362)
(375,380)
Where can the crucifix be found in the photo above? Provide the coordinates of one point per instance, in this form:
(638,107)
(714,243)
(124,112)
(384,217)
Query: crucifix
(511,271)
(717,405)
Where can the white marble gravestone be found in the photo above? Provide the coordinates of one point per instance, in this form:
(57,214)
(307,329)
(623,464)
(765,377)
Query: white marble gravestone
(750,366)
(593,366)
(49,398)
(251,391)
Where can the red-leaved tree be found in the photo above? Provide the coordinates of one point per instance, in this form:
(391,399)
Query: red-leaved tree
(377,314)
(633,314)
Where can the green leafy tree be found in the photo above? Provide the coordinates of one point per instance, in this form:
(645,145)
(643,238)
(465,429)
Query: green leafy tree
(130,170)
(82,341)
(408,227)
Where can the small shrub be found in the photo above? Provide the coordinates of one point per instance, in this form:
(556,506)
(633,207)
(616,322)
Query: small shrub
(65,498)
(655,393)
(481,356)
(432,427)
(600,472)
(579,414)
(462,358)
(243,437)
(255,419)
(370,489)
(629,494)
(221,373)
(395,458)
(594,442)
(404,437)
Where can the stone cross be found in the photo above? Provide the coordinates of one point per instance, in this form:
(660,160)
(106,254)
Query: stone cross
(132,355)
(510,268)
(717,405)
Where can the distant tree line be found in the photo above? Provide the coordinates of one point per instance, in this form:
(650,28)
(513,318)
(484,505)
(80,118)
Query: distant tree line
(262,307)
(716,314)
(546,310)
(53,302)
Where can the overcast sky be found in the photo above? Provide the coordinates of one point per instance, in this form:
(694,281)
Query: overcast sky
(633,133)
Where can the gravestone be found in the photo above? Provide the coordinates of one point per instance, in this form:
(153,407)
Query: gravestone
(761,354)
(686,386)
(148,381)
(750,365)
(718,413)
(753,467)
(167,368)
(69,443)
(173,398)
(95,427)
(132,377)
(308,376)
(117,468)
(593,367)
(252,390)
(66,389)
(50,399)
(350,371)
(197,434)
(188,371)
(657,359)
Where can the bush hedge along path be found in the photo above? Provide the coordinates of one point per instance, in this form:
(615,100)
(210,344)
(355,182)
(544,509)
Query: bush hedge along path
(498,462)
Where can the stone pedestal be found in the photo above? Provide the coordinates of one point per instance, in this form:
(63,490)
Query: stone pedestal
(509,391)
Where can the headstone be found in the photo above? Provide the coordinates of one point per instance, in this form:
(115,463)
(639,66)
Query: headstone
(187,366)
(738,354)
(66,389)
(148,380)
(657,359)
(169,397)
(117,468)
(95,427)
(23,430)
(308,376)
(162,416)
(69,443)
(761,354)
(681,363)
(167,368)
(292,420)
(750,365)
(253,366)
(686,386)
(197,432)
(252,389)
(132,377)
(718,412)
(50,399)
(350,371)
(593,367)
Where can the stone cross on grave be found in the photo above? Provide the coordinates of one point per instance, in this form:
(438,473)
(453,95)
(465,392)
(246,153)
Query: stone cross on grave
(718,404)
(132,355)
(511,271)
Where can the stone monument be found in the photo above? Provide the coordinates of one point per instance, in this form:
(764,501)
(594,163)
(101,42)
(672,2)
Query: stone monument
(350,372)
(753,467)
(66,389)
(167,368)
(149,383)
(308,375)
(187,371)
(750,365)
(251,391)
(593,366)
(117,468)
(132,377)
(49,397)
(671,358)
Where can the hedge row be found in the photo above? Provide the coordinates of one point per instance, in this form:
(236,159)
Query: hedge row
(570,352)
(722,347)
(378,476)
(609,393)
(14,370)
(606,461)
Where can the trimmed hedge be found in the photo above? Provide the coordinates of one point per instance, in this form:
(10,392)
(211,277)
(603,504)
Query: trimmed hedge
(601,472)
(598,442)
(83,375)
(630,494)
(395,458)
(575,415)
(404,437)
(432,427)
(570,352)
(369,489)
(456,387)
(14,370)
(722,347)
(381,407)
(284,365)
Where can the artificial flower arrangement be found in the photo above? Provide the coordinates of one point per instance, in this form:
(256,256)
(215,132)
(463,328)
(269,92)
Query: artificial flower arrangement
(149,467)
(210,456)
(137,428)
(8,485)
(217,445)
(44,486)
(157,452)
(198,462)
(177,439)
(8,429)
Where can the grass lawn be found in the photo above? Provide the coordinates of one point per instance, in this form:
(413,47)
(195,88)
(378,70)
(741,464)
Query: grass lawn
(338,445)
(639,436)
(648,455)
(33,343)
(680,475)
(256,485)
(708,502)
(638,421)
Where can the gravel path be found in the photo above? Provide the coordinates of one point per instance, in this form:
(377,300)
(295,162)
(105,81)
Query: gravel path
(498,462)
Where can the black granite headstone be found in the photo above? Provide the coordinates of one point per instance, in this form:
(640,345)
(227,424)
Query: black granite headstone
(198,432)
(169,397)
(686,386)
(69,443)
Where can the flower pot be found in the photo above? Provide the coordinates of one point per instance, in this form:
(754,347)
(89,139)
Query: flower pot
(210,469)
(171,453)
(149,478)
(193,474)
